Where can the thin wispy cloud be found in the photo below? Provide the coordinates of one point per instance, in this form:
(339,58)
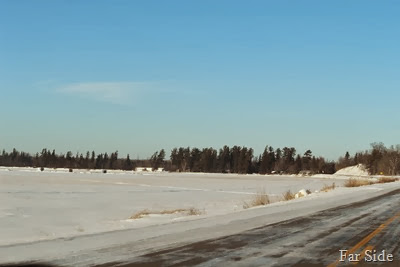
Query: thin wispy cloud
(110,92)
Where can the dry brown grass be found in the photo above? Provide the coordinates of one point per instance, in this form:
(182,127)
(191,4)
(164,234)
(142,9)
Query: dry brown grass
(288,195)
(352,182)
(383,180)
(259,199)
(140,214)
(146,212)
(194,211)
(327,188)
(172,211)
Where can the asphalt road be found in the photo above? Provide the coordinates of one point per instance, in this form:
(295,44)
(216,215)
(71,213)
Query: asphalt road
(360,228)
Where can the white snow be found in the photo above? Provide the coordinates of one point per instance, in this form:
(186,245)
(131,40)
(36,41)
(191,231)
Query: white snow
(53,204)
(357,170)
(301,193)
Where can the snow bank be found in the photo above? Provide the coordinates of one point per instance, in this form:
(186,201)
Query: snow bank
(302,193)
(357,170)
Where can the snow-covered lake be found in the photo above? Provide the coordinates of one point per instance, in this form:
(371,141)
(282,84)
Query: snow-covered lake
(46,205)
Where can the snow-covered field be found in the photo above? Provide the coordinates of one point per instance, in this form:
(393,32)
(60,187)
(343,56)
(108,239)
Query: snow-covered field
(48,205)
(44,205)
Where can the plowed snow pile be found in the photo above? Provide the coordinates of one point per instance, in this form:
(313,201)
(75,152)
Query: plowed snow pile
(357,170)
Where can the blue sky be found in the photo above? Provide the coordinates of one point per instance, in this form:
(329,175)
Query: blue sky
(138,76)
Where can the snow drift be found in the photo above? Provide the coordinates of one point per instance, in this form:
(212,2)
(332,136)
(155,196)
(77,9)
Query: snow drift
(357,170)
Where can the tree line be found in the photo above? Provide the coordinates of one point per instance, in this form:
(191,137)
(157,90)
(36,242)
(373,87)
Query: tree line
(234,159)
(237,159)
(242,160)
(50,159)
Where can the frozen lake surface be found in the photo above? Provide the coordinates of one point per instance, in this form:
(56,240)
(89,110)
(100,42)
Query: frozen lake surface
(46,205)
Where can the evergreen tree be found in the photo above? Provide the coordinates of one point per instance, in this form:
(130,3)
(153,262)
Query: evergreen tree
(92,164)
(224,160)
(306,160)
(194,161)
(235,158)
(161,158)
(99,162)
(157,159)
(175,162)
(128,166)
(267,160)
(106,161)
